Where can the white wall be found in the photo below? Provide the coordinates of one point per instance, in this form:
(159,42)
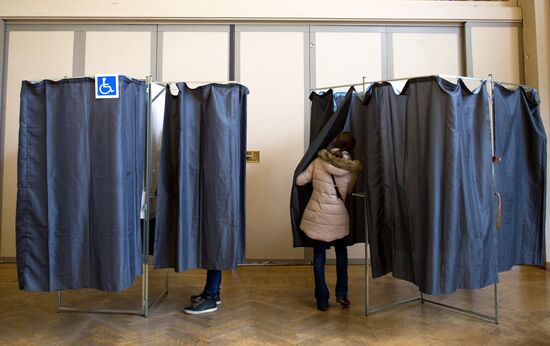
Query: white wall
(31,56)
(417,52)
(543,51)
(536,36)
(495,50)
(127,53)
(195,54)
(272,65)
(336,54)
(287,10)
(343,56)
(278,52)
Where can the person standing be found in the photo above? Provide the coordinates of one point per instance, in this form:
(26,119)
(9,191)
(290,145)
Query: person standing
(209,299)
(333,174)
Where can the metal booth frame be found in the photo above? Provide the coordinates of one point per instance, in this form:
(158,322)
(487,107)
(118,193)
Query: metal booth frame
(421,298)
(146,305)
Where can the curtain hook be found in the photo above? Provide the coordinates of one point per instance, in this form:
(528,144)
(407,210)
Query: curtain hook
(174,89)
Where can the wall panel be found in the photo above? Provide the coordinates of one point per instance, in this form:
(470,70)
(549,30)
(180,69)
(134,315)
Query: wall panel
(344,56)
(421,54)
(196,55)
(271,64)
(127,53)
(278,63)
(496,50)
(32,55)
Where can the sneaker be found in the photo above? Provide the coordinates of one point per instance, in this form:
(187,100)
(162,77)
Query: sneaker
(322,306)
(201,306)
(204,296)
(343,301)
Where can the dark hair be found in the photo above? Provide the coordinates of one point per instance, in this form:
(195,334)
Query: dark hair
(345,141)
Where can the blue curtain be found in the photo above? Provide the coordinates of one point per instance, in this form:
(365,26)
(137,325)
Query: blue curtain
(431,202)
(355,204)
(331,122)
(80,172)
(521,177)
(201,191)
(430,189)
(321,111)
(384,143)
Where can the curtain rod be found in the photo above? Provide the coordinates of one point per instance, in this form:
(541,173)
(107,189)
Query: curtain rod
(199,81)
(170,84)
(515,84)
(398,79)
(34,81)
(338,86)
(76,77)
(462,77)
(158,82)
(438,75)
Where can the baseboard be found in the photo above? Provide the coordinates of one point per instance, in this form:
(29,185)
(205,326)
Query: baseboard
(265,262)
(296,262)
(352,261)
(547,266)
(275,262)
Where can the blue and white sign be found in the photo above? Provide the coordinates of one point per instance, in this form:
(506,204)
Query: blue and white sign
(106,86)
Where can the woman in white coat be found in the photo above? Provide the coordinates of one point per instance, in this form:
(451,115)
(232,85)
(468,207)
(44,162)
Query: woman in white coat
(325,220)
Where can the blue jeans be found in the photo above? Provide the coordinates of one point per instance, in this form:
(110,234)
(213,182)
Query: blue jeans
(213,282)
(319,259)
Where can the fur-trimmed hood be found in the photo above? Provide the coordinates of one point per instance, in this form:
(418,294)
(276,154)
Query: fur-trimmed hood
(352,166)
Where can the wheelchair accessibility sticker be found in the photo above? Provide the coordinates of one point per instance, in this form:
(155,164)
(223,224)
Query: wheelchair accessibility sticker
(106,86)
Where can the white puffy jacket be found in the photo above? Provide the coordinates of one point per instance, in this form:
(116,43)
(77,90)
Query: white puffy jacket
(326,217)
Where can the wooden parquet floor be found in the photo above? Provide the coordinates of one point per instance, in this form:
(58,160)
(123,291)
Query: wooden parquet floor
(275,306)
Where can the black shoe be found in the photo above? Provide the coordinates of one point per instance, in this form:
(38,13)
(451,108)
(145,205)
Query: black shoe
(201,306)
(322,306)
(204,296)
(343,301)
